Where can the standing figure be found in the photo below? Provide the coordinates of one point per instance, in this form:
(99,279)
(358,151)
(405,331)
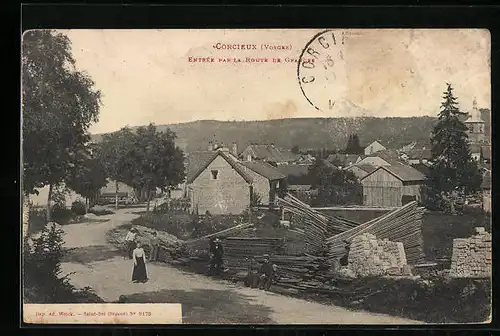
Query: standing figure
(155,245)
(130,242)
(344,261)
(139,273)
(216,254)
(266,274)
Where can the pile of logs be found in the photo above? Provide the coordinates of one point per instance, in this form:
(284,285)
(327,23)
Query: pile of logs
(400,225)
(245,230)
(318,226)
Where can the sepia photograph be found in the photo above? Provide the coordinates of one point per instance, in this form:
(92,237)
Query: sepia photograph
(256,176)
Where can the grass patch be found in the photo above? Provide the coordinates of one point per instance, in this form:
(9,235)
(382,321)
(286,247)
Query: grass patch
(439,300)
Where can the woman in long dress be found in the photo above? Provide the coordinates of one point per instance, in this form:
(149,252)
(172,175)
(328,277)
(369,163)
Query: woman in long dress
(139,273)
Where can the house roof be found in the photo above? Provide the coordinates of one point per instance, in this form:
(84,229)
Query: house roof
(205,160)
(402,172)
(375,142)
(294,169)
(366,168)
(264,169)
(423,168)
(196,160)
(272,153)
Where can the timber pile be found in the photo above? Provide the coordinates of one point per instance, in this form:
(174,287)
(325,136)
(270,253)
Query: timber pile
(238,251)
(400,225)
(317,226)
(203,242)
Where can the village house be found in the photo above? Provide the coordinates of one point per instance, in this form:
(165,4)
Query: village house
(217,183)
(267,153)
(486,188)
(266,180)
(392,186)
(109,191)
(374,147)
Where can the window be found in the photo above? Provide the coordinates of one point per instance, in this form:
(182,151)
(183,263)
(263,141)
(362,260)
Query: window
(215,174)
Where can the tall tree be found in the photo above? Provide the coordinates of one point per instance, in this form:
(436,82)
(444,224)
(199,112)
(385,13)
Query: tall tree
(156,161)
(333,185)
(59,104)
(89,176)
(114,153)
(453,169)
(353,146)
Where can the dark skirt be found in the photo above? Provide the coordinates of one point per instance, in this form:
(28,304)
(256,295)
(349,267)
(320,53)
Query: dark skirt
(139,274)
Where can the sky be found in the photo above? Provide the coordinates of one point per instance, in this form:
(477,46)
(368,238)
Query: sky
(147,76)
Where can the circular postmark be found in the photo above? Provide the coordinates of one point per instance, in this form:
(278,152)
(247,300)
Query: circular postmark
(321,69)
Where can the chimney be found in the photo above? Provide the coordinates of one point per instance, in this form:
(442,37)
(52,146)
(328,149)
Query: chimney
(210,146)
(234,149)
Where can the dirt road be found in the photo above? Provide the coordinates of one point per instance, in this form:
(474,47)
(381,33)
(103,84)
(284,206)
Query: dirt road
(204,300)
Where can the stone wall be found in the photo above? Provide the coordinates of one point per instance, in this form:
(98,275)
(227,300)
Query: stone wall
(369,256)
(471,257)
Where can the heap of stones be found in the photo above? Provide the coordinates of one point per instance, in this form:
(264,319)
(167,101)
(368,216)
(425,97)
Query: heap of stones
(471,257)
(369,256)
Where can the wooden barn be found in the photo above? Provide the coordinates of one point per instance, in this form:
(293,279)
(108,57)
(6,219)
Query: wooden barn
(392,186)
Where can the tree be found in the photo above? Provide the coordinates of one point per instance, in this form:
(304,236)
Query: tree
(59,104)
(114,155)
(334,186)
(89,176)
(454,169)
(295,149)
(155,161)
(353,146)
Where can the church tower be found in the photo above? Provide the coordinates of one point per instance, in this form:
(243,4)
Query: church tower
(475,125)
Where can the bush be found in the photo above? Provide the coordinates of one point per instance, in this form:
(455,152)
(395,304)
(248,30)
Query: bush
(78,208)
(100,211)
(61,214)
(43,282)
(37,219)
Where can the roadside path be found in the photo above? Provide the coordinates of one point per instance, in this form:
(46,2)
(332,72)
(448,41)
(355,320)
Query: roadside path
(100,265)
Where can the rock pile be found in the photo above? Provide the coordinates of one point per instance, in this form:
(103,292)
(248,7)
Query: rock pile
(369,256)
(471,257)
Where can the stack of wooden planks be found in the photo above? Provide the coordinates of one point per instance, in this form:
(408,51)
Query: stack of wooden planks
(317,226)
(203,242)
(239,251)
(400,225)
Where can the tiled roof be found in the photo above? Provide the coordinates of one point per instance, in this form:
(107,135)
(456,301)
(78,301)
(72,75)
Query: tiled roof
(272,154)
(294,170)
(402,172)
(366,168)
(264,169)
(202,165)
(196,160)
(405,173)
